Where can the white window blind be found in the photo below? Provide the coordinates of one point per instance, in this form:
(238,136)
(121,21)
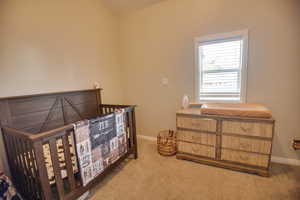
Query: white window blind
(220,69)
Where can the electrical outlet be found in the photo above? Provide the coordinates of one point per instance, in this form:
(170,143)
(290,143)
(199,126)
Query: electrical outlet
(164,81)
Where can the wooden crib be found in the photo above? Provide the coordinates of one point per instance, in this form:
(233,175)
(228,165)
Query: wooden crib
(31,123)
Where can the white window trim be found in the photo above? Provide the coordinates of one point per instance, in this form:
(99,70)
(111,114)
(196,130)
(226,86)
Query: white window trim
(223,36)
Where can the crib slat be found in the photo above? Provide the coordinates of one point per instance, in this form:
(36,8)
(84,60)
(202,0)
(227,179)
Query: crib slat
(68,160)
(20,165)
(13,160)
(56,168)
(40,162)
(26,167)
(33,168)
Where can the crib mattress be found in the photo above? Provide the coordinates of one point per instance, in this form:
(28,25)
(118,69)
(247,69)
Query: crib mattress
(236,109)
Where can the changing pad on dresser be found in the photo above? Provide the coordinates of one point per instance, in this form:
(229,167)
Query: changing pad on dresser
(236,109)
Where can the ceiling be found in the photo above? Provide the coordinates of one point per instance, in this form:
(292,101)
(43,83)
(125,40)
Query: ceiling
(123,6)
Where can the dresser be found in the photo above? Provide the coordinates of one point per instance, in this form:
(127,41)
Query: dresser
(237,143)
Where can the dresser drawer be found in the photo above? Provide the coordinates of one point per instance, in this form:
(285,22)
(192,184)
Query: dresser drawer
(245,158)
(196,149)
(248,128)
(246,144)
(203,124)
(196,137)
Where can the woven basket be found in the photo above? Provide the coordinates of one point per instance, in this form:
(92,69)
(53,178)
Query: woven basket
(166,143)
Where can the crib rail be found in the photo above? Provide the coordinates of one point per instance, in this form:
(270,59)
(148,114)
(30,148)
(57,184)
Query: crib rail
(23,163)
(28,160)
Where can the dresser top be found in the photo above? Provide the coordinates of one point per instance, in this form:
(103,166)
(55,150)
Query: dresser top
(190,111)
(196,111)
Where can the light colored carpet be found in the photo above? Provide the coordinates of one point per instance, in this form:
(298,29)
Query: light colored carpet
(153,177)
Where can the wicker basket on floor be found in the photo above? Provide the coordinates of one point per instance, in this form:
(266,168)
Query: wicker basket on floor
(166,143)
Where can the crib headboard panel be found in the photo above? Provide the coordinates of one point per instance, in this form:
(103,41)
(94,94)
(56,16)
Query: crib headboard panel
(42,112)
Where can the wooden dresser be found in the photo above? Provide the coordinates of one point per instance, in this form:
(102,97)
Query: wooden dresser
(243,144)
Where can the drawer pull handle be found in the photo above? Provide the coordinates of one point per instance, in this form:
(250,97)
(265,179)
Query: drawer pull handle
(244,158)
(196,124)
(196,150)
(244,146)
(246,130)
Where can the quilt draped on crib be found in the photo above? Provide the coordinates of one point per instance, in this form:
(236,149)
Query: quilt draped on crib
(99,143)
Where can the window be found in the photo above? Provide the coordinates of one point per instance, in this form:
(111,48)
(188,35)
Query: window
(221,62)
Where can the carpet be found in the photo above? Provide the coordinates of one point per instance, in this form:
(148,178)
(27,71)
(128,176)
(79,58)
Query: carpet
(153,177)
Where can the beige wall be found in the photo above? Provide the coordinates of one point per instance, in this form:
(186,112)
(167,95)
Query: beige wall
(61,45)
(121,7)
(157,42)
(58,45)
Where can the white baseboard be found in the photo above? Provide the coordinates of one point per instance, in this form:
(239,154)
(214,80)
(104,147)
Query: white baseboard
(275,159)
(85,196)
(287,161)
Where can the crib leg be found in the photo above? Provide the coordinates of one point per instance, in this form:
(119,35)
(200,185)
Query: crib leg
(135,153)
(134,136)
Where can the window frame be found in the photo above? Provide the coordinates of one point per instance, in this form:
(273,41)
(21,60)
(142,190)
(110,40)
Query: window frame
(210,39)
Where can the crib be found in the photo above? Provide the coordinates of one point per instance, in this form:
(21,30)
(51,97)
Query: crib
(38,137)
